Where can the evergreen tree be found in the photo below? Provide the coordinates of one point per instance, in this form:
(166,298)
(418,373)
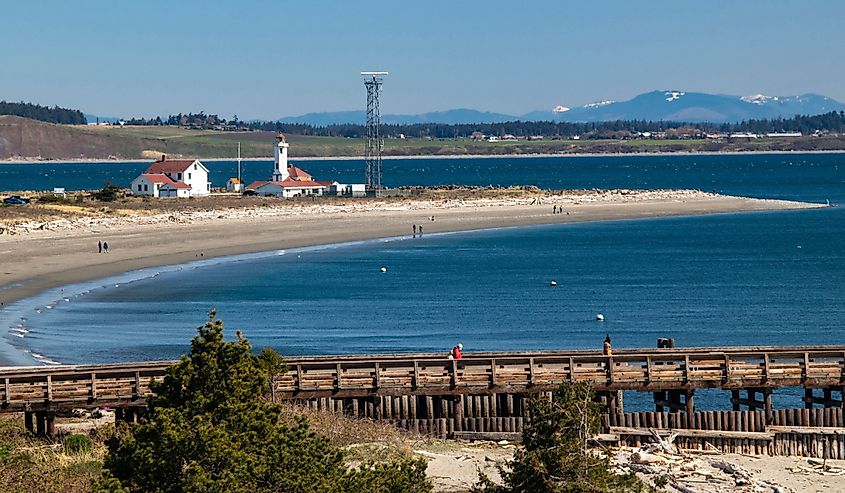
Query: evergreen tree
(554,457)
(43,113)
(212,428)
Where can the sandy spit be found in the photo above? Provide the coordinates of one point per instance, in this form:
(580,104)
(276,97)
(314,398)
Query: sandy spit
(38,256)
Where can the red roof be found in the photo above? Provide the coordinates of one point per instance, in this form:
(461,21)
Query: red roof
(327,183)
(298,174)
(170,166)
(164,180)
(256,184)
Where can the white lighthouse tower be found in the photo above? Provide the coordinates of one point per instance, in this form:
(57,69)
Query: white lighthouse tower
(281,173)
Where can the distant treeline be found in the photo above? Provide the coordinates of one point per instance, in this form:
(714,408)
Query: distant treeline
(195,120)
(829,122)
(43,113)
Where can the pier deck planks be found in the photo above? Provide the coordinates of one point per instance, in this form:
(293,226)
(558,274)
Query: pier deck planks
(646,370)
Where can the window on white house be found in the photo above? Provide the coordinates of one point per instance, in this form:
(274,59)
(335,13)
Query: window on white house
(146,189)
(178,176)
(139,188)
(189,176)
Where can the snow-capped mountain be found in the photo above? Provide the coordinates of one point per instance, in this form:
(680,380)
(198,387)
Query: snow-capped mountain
(670,105)
(674,105)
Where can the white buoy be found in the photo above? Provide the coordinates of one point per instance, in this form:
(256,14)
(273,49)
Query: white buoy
(384,269)
(600,317)
(553,283)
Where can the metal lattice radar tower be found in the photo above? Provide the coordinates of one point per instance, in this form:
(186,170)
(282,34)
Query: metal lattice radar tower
(372,152)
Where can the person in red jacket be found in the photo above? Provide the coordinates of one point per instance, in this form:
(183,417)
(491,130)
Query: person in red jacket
(456,351)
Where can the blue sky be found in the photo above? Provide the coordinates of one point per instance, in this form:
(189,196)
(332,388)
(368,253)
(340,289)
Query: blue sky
(267,59)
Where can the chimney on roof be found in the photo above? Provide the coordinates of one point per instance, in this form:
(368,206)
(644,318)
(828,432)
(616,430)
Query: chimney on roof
(163,158)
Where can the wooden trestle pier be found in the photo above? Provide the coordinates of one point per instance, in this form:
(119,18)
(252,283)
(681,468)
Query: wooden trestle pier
(484,393)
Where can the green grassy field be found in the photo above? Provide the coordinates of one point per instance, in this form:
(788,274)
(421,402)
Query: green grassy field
(37,140)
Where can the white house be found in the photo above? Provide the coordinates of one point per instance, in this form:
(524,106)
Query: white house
(173,178)
(159,185)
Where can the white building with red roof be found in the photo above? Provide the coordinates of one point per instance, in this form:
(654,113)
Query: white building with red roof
(173,178)
(287,180)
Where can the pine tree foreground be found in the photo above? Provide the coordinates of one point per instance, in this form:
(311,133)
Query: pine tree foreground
(555,457)
(211,427)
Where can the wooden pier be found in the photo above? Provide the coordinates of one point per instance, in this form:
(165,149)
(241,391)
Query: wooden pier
(485,393)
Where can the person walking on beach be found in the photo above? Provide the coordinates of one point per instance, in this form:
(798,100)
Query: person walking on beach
(456,351)
(415,230)
(607,350)
(420,229)
(105,247)
(99,247)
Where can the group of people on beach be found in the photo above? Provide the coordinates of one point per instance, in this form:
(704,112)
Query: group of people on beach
(419,228)
(558,209)
(102,247)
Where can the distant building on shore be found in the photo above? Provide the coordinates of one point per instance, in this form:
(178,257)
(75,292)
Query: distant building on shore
(234,185)
(173,178)
(288,180)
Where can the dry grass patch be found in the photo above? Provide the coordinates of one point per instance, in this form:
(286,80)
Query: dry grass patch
(68,463)
(362,439)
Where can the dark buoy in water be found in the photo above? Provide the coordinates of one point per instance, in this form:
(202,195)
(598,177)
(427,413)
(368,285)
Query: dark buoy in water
(553,283)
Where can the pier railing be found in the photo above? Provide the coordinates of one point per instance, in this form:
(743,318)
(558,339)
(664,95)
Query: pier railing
(652,370)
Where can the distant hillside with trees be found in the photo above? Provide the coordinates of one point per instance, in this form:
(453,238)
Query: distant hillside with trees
(27,139)
(833,122)
(43,113)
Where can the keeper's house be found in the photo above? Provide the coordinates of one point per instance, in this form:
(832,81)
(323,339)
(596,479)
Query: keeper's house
(173,178)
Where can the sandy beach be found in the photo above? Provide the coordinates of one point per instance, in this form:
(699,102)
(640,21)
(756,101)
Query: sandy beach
(41,255)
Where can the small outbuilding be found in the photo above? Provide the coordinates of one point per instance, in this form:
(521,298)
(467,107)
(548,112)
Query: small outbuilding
(234,185)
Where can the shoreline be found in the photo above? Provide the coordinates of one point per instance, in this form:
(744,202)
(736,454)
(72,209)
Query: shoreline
(43,259)
(443,156)
(38,261)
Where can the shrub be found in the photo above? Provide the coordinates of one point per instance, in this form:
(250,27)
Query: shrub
(554,457)
(54,199)
(77,444)
(109,193)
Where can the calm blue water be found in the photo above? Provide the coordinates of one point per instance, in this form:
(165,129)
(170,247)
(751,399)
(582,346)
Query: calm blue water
(763,278)
(785,175)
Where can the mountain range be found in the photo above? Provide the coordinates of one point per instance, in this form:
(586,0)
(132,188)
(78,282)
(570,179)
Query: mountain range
(655,106)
